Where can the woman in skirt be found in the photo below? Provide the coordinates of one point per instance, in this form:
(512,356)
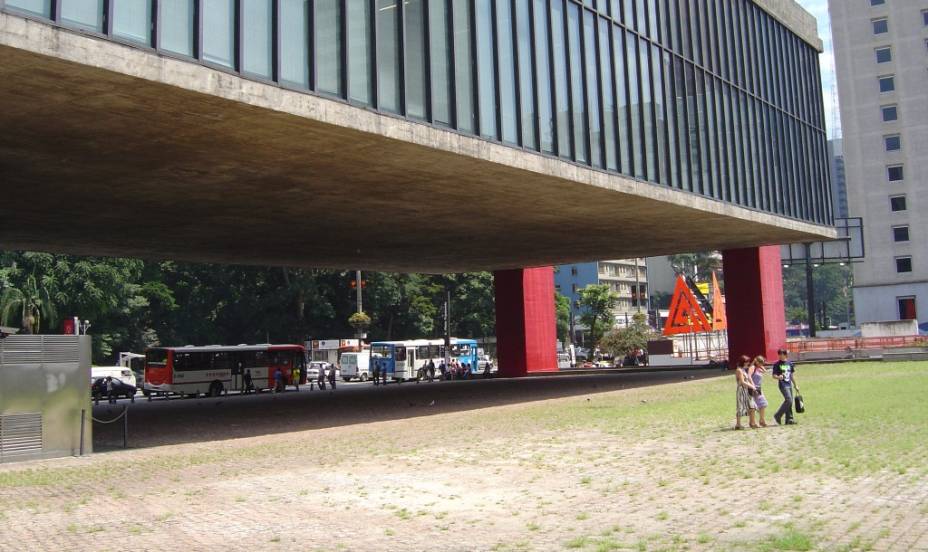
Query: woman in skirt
(745,404)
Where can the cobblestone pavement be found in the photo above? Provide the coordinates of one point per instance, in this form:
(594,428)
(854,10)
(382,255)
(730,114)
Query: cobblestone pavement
(461,477)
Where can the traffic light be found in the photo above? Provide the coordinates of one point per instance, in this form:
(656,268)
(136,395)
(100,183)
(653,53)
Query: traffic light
(354,284)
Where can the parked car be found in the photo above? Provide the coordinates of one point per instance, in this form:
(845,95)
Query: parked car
(121,389)
(312,371)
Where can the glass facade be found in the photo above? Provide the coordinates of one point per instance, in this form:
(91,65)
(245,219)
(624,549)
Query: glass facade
(713,97)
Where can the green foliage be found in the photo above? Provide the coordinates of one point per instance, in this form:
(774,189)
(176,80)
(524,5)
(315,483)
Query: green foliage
(832,285)
(620,341)
(133,304)
(597,302)
(562,314)
(359,321)
(698,265)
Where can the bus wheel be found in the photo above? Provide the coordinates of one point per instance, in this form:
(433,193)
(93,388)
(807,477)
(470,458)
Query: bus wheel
(363,377)
(215,389)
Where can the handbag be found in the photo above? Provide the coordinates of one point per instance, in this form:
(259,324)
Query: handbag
(800,405)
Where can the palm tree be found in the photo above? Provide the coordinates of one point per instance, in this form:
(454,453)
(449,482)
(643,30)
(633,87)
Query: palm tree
(31,302)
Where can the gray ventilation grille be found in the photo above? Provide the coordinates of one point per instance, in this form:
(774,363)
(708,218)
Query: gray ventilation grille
(38,349)
(20,434)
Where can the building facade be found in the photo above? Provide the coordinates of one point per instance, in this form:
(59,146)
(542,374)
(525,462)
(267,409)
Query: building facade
(726,106)
(838,178)
(627,278)
(881,51)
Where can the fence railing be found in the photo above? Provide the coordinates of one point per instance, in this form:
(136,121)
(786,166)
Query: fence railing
(852,343)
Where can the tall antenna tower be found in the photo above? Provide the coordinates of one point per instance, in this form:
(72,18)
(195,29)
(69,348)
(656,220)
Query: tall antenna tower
(835,113)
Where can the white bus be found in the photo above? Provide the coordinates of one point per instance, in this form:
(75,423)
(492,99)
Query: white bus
(404,359)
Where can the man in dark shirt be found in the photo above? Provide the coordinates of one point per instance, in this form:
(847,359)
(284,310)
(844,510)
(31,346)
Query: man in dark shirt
(784,372)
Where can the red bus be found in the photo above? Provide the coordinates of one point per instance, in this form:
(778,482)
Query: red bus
(216,369)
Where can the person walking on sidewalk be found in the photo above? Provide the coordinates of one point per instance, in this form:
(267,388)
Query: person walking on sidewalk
(756,373)
(784,372)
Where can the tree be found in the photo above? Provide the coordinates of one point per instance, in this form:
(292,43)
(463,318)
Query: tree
(598,303)
(562,312)
(30,301)
(700,266)
(621,341)
(833,293)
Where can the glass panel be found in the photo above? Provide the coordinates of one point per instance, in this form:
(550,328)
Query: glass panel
(177,26)
(618,46)
(647,121)
(526,90)
(440,58)
(256,37)
(659,121)
(463,67)
(219,32)
(132,20)
(631,55)
(561,96)
(543,66)
(85,14)
(682,128)
(671,106)
(37,7)
(592,88)
(605,68)
(578,104)
(415,58)
(507,73)
(294,42)
(388,77)
(328,26)
(486,71)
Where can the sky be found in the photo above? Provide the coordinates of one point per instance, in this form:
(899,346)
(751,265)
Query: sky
(819,8)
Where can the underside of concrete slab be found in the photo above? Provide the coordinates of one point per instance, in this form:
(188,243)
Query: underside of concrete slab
(109,149)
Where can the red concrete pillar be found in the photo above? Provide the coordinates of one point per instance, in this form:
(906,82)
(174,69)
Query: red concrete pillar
(526,334)
(754,301)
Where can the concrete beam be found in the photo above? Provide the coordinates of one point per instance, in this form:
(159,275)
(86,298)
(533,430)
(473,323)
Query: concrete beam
(796,19)
(109,149)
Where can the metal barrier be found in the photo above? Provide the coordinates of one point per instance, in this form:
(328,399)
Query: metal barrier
(855,343)
(125,424)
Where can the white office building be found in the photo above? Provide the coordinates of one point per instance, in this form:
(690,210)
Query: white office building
(881,52)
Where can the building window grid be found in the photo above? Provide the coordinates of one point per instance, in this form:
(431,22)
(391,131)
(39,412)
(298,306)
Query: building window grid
(745,30)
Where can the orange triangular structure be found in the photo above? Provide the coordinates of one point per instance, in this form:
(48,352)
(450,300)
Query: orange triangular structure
(685,314)
(719,319)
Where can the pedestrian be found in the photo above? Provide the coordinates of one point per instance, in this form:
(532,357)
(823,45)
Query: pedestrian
(383,374)
(279,381)
(431,369)
(377,371)
(784,372)
(744,402)
(303,373)
(246,380)
(333,373)
(487,367)
(110,390)
(443,370)
(295,378)
(756,372)
(321,378)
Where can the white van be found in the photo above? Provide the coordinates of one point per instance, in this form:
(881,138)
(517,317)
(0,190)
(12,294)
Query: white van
(123,373)
(356,365)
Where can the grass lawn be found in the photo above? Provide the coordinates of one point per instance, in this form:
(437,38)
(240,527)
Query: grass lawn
(655,468)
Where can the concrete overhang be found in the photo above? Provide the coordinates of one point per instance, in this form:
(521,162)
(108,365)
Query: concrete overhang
(109,149)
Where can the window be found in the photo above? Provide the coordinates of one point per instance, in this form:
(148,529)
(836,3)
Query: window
(219,31)
(887,84)
(37,7)
(415,58)
(256,37)
(132,19)
(894,173)
(884,55)
(877,2)
(463,67)
(573,271)
(440,60)
(506,64)
(294,42)
(893,143)
(925,18)
(890,113)
(486,69)
(897,203)
(359,51)
(907,309)
(388,63)
(903,264)
(328,27)
(84,14)
(176,26)
(900,233)
(573,288)
(880,26)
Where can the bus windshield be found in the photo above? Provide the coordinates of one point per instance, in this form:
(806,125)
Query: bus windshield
(156,357)
(384,351)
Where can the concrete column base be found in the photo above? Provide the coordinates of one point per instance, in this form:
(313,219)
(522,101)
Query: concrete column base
(526,334)
(754,302)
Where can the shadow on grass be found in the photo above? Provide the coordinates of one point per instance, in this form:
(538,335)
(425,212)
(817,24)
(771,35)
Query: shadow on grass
(175,421)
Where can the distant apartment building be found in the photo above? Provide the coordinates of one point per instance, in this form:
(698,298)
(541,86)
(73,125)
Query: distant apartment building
(626,277)
(838,177)
(881,52)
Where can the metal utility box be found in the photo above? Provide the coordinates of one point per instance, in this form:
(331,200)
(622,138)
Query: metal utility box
(44,396)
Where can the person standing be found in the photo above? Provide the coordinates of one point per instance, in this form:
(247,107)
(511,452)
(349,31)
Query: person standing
(246,380)
(756,372)
(320,379)
(110,390)
(784,372)
(332,375)
(279,381)
(383,374)
(745,404)
(431,369)
(377,371)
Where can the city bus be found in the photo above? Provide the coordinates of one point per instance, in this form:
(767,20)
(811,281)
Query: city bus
(403,359)
(216,369)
